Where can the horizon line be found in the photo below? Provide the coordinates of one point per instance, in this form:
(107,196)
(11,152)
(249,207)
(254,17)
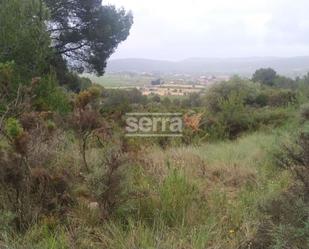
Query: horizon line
(210,58)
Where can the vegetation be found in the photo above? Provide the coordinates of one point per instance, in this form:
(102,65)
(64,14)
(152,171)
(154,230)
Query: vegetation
(121,80)
(70,178)
(39,35)
(266,76)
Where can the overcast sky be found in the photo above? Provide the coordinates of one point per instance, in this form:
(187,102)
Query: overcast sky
(179,29)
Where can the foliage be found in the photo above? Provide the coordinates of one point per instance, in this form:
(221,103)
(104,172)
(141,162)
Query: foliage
(192,101)
(247,93)
(31,190)
(6,82)
(23,37)
(38,35)
(285,82)
(157,82)
(287,222)
(49,96)
(118,102)
(106,182)
(89,41)
(86,120)
(70,179)
(295,157)
(282,97)
(304,112)
(266,76)
(13,128)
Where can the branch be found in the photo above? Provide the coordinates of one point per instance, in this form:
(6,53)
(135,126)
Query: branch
(63,29)
(72,49)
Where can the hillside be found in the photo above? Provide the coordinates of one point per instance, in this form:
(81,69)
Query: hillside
(178,159)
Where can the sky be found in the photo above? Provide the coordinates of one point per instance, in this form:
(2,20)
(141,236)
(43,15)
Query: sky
(180,29)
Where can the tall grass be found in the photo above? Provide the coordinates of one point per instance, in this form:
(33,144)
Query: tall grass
(188,197)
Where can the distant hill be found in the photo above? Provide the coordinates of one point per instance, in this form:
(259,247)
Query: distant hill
(292,66)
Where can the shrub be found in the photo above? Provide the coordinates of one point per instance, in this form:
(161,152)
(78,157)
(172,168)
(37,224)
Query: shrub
(105,182)
(29,120)
(232,119)
(83,99)
(304,112)
(245,90)
(31,191)
(295,157)
(261,99)
(8,85)
(6,78)
(86,120)
(269,117)
(13,128)
(266,76)
(285,82)
(29,186)
(49,96)
(286,224)
(277,98)
(116,103)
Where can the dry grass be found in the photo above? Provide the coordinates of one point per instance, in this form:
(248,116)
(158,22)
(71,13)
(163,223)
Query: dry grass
(229,164)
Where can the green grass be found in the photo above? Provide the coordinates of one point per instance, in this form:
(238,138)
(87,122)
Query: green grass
(121,80)
(208,196)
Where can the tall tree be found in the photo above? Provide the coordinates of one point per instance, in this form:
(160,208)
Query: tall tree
(266,76)
(23,37)
(86,33)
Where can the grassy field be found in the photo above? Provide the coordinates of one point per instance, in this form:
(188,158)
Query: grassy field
(189,197)
(121,80)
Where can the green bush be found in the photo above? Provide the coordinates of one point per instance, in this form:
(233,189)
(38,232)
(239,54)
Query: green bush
(8,84)
(281,98)
(261,100)
(265,76)
(304,112)
(269,116)
(295,157)
(13,128)
(232,119)
(246,91)
(50,97)
(24,38)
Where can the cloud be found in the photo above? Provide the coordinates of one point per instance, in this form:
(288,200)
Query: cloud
(177,29)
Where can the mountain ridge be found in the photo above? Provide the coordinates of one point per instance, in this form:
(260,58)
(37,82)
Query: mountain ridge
(297,65)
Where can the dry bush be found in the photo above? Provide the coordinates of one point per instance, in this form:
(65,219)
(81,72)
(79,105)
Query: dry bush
(51,189)
(193,121)
(86,120)
(106,181)
(43,137)
(31,186)
(31,193)
(85,123)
